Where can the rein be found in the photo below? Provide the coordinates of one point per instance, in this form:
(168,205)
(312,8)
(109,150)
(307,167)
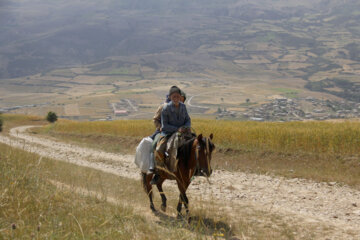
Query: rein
(207,153)
(197,156)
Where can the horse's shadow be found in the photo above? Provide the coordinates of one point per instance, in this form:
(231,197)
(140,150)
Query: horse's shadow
(197,224)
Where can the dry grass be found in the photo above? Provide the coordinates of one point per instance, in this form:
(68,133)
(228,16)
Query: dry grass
(13,120)
(33,208)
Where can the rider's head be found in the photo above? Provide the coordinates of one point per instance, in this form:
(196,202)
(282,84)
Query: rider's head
(175,95)
(183,96)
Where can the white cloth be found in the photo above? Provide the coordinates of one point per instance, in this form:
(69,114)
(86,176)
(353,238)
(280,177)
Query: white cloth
(143,155)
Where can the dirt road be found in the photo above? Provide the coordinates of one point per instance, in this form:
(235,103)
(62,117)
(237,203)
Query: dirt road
(301,201)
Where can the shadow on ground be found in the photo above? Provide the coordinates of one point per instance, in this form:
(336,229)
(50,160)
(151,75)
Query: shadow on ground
(198,224)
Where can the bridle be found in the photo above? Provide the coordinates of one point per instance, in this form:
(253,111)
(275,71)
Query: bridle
(207,154)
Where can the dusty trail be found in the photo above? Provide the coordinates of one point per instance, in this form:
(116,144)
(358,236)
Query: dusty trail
(301,200)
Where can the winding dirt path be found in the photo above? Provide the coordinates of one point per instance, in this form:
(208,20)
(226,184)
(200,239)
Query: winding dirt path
(300,201)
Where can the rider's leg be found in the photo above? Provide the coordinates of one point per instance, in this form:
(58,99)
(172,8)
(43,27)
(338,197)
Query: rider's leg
(159,159)
(152,163)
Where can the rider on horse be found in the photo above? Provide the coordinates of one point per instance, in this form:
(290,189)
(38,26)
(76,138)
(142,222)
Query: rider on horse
(157,116)
(174,118)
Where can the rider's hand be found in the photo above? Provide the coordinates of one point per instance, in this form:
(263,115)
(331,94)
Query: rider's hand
(182,130)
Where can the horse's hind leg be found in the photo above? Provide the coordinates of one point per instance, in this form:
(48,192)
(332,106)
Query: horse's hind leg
(148,189)
(162,194)
(179,207)
(186,203)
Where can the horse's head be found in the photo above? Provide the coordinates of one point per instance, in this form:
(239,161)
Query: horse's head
(204,149)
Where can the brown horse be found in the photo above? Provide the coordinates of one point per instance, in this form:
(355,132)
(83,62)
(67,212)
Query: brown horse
(193,158)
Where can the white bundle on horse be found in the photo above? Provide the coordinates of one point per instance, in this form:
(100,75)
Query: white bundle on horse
(144,154)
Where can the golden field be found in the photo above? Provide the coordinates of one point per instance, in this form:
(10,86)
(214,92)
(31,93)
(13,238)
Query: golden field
(319,151)
(312,137)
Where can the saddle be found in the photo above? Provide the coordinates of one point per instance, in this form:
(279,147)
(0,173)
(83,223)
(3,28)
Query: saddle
(173,145)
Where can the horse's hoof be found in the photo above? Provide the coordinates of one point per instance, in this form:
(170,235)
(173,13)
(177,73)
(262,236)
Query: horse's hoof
(163,208)
(189,220)
(153,208)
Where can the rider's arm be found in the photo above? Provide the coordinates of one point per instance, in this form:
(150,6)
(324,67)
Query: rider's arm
(187,119)
(157,117)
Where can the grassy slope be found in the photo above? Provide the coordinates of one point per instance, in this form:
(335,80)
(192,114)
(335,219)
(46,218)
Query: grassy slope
(32,207)
(321,151)
(35,208)
(13,120)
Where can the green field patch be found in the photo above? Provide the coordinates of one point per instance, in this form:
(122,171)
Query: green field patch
(247,104)
(267,37)
(122,71)
(288,92)
(63,73)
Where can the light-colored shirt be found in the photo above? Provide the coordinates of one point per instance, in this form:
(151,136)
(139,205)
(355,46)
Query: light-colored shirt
(157,116)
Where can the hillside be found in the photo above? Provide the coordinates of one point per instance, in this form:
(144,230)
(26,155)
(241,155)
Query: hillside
(238,49)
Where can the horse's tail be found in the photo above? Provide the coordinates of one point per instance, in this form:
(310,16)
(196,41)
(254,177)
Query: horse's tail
(143,180)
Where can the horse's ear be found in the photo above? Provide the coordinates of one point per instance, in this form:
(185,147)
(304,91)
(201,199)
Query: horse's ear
(211,136)
(199,137)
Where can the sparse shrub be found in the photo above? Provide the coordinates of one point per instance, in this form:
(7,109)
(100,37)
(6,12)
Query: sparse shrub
(51,117)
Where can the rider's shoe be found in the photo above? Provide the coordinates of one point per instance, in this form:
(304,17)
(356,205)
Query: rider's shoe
(155,179)
(151,171)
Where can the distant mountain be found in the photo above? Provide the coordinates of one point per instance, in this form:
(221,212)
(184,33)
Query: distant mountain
(41,35)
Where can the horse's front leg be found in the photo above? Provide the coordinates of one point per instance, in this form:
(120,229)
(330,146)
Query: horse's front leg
(183,199)
(162,194)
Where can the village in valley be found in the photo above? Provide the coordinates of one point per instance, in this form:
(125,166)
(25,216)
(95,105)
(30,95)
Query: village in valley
(279,109)
(287,109)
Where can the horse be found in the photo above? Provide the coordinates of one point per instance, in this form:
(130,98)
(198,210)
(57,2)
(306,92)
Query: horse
(194,157)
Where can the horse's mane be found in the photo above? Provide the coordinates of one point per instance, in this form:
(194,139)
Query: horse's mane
(185,150)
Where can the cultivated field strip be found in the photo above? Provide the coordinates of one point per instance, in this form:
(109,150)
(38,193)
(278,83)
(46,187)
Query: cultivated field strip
(303,201)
